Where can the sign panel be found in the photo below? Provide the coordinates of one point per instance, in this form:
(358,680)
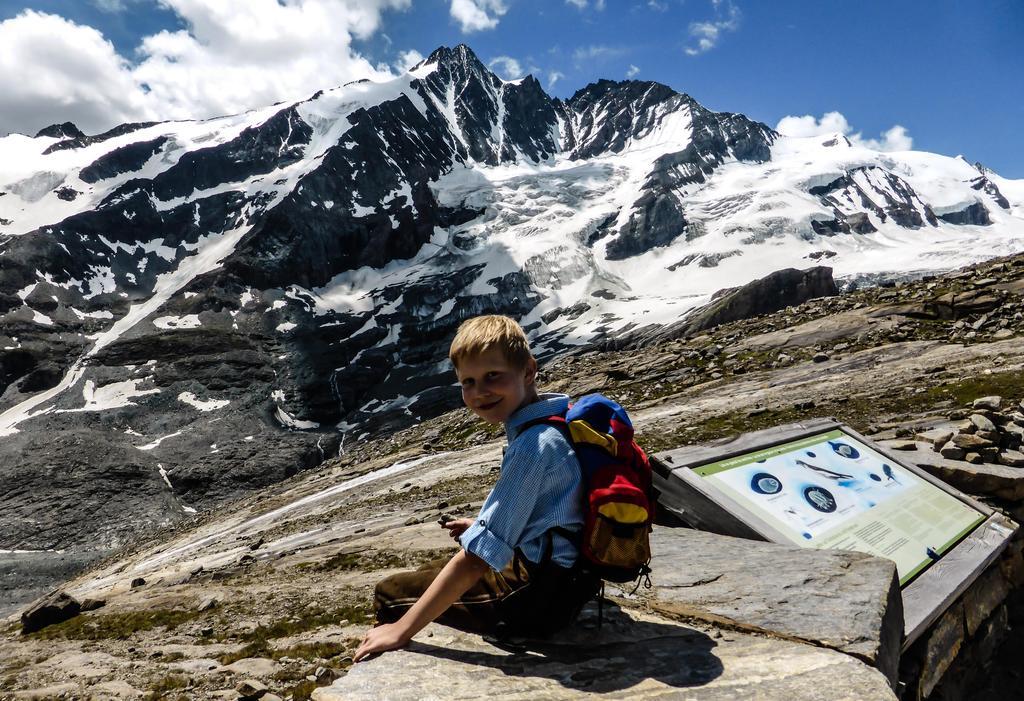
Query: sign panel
(832,491)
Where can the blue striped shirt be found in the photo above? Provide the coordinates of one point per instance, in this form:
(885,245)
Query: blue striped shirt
(539,488)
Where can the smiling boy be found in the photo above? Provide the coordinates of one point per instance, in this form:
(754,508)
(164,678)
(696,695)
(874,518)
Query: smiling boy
(515,570)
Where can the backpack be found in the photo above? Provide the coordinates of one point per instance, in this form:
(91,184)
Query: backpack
(617,492)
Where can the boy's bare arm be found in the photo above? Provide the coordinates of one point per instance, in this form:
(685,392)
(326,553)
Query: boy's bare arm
(461,572)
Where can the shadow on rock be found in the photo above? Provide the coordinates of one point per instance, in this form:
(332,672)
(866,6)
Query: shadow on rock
(621,654)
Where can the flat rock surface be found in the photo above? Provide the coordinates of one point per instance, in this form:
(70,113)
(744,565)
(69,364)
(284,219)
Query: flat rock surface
(844,600)
(633,656)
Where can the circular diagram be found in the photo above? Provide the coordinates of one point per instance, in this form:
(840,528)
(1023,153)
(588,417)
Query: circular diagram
(847,451)
(764,483)
(820,499)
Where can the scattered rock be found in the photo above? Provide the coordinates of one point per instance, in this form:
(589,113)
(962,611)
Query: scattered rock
(993,403)
(90,604)
(55,608)
(901,445)
(951,452)
(138,582)
(937,437)
(974,458)
(982,423)
(1012,458)
(208,603)
(969,441)
(253,666)
(250,690)
(819,357)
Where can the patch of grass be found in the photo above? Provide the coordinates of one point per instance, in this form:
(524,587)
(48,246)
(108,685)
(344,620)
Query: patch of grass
(257,649)
(258,640)
(116,625)
(171,682)
(372,560)
(316,651)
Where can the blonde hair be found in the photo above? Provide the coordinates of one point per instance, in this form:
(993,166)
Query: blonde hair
(480,334)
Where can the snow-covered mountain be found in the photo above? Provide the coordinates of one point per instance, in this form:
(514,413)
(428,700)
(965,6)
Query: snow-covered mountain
(193,309)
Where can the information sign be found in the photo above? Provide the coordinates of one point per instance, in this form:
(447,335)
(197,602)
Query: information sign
(832,491)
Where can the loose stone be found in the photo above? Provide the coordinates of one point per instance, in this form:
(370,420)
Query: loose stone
(968,441)
(1012,458)
(982,423)
(993,403)
(974,459)
(951,452)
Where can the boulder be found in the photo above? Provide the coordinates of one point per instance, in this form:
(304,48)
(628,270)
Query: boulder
(951,452)
(250,690)
(937,437)
(1012,458)
(55,608)
(798,593)
(982,423)
(970,442)
(993,403)
(634,655)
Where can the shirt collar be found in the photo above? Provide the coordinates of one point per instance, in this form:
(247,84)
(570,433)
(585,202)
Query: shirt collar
(549,404)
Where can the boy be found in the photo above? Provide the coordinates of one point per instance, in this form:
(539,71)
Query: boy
(514,574)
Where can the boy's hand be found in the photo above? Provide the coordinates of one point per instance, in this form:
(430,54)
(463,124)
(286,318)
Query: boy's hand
(457,527)
(380,639)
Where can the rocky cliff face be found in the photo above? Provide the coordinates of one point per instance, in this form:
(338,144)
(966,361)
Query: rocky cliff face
(192,310)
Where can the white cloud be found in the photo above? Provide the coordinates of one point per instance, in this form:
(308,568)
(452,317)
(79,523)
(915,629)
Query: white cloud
(633,71)
(408,59)
(595,52)
(895,138)
(582,4)
(507,67)
(234,55)
(707,34)
(657,6)
(477,15)
(110,5)
(554,77)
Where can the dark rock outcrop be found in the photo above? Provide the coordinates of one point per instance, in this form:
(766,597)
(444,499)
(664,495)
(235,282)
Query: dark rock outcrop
(55,608)
(778,290)
(67,130)
(975,214)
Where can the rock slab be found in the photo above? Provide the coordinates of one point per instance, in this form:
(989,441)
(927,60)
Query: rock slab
(633,656)
(792,592)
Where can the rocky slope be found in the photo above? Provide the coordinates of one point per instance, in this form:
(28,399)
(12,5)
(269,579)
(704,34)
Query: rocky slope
(274,588)
(192,311)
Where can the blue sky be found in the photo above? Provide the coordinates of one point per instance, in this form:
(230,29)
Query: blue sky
(948,72)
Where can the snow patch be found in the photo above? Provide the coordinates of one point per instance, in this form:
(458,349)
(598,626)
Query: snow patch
(111,396)
(291,422)
(189,321)
(202,404)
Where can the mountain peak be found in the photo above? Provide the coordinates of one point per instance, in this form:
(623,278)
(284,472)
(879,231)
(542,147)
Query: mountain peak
(460,54)
(61,131)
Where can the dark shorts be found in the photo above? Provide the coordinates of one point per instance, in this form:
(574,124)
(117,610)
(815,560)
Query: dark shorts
(524,599)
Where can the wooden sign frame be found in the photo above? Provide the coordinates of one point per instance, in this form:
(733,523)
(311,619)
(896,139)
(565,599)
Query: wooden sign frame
(700,504)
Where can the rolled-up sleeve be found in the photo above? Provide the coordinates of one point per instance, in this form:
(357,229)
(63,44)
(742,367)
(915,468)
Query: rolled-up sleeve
(506,511)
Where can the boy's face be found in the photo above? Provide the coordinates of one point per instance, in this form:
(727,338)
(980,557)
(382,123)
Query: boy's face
(493,388)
